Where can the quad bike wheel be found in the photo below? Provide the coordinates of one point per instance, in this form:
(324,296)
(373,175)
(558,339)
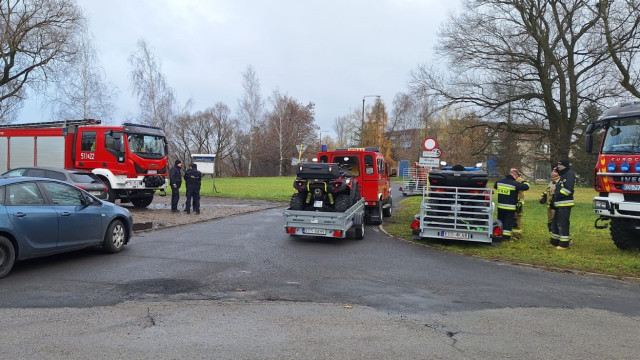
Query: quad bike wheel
(297,202)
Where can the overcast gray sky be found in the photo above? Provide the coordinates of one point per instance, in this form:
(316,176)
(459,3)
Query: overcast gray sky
(330,52)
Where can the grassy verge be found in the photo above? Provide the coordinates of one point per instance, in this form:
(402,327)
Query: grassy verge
(592,250)
(267,188)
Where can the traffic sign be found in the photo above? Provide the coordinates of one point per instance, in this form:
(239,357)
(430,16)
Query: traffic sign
(435,153)
(430,144)
(429,162)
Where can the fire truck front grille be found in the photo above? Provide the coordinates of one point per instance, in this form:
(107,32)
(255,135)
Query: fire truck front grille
(632,198)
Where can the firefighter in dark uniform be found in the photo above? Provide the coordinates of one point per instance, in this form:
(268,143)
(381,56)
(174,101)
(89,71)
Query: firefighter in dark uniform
(563,202)
(193,178)
(175,181)
(507,190)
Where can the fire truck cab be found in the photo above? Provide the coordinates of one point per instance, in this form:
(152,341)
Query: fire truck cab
(617,173)
(130,159)
(371,170)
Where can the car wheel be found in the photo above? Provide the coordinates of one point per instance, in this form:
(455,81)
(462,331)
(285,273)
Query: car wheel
(7,256)
(111,195)
(115,238)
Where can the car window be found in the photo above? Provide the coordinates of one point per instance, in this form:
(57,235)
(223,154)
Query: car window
(24,194)
(14,172)
(63,194)
(84,178)
(35,173)
(2,195)
(55,175)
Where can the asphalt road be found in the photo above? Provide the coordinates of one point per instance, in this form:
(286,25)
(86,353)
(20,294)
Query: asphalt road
(240,288)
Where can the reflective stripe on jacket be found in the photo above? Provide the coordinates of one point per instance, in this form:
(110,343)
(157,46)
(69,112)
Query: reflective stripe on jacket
(507,190)
(563,195)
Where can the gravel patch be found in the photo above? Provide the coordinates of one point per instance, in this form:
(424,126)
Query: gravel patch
(158,214)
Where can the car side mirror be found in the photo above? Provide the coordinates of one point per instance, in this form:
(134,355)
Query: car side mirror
(87,200)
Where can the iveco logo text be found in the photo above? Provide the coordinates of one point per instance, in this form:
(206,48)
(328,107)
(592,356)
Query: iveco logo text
(630,179)
(618,159)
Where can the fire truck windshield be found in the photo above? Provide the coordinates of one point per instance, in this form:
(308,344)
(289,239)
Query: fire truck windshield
(622,137)
(147,146)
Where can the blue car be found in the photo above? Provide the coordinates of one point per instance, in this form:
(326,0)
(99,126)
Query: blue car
(40,217)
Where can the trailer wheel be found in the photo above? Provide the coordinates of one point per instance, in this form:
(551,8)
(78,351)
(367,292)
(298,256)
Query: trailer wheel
(343,203)
(388,211)
(7,256)
(623,234)
(142,202)
(358,223)
(297,201)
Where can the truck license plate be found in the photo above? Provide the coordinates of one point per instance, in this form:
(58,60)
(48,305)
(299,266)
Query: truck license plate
(631,187)
(314,231)
(454,235)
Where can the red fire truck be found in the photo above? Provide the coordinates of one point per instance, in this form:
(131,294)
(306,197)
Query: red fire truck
(617,173)
(370,168)
(130,159)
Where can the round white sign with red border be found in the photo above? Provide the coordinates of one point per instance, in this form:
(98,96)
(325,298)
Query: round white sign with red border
(430,144)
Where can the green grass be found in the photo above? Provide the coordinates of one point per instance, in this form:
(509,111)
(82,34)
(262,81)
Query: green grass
(592,249)
(267,188)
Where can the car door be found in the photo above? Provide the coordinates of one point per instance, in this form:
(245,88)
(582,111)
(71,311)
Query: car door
(78,225)
(34,220)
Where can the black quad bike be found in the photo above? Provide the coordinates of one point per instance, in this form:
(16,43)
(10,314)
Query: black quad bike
(324,187)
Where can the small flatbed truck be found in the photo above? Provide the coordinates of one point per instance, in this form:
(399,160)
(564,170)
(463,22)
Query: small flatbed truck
(326,223)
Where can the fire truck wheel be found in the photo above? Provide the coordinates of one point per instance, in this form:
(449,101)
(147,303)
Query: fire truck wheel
(115,237)
(142,202)
(7,256)
(623,234)
(388,211)
(297,201)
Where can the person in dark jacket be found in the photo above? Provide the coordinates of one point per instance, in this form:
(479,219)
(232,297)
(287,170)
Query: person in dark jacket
(562,202)
(193,178)
(507,190)
(175,181)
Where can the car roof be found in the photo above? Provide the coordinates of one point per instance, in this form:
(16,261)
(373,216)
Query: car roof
(52,169)
(19,179)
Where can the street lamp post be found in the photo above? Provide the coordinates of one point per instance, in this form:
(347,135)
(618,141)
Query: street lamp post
(362,125)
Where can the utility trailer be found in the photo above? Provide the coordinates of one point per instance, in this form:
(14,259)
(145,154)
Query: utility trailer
(414,180)
(463,211)
(325,223)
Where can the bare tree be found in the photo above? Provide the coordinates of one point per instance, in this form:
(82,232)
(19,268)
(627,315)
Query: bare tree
(347,128)
(156,98)
(82,91)
(38,39)
(289,123)
(621,24)
(251,107)
(537,62)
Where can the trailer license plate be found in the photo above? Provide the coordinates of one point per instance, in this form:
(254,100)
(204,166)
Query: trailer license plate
(631,187)
(454,235)
(314,231)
